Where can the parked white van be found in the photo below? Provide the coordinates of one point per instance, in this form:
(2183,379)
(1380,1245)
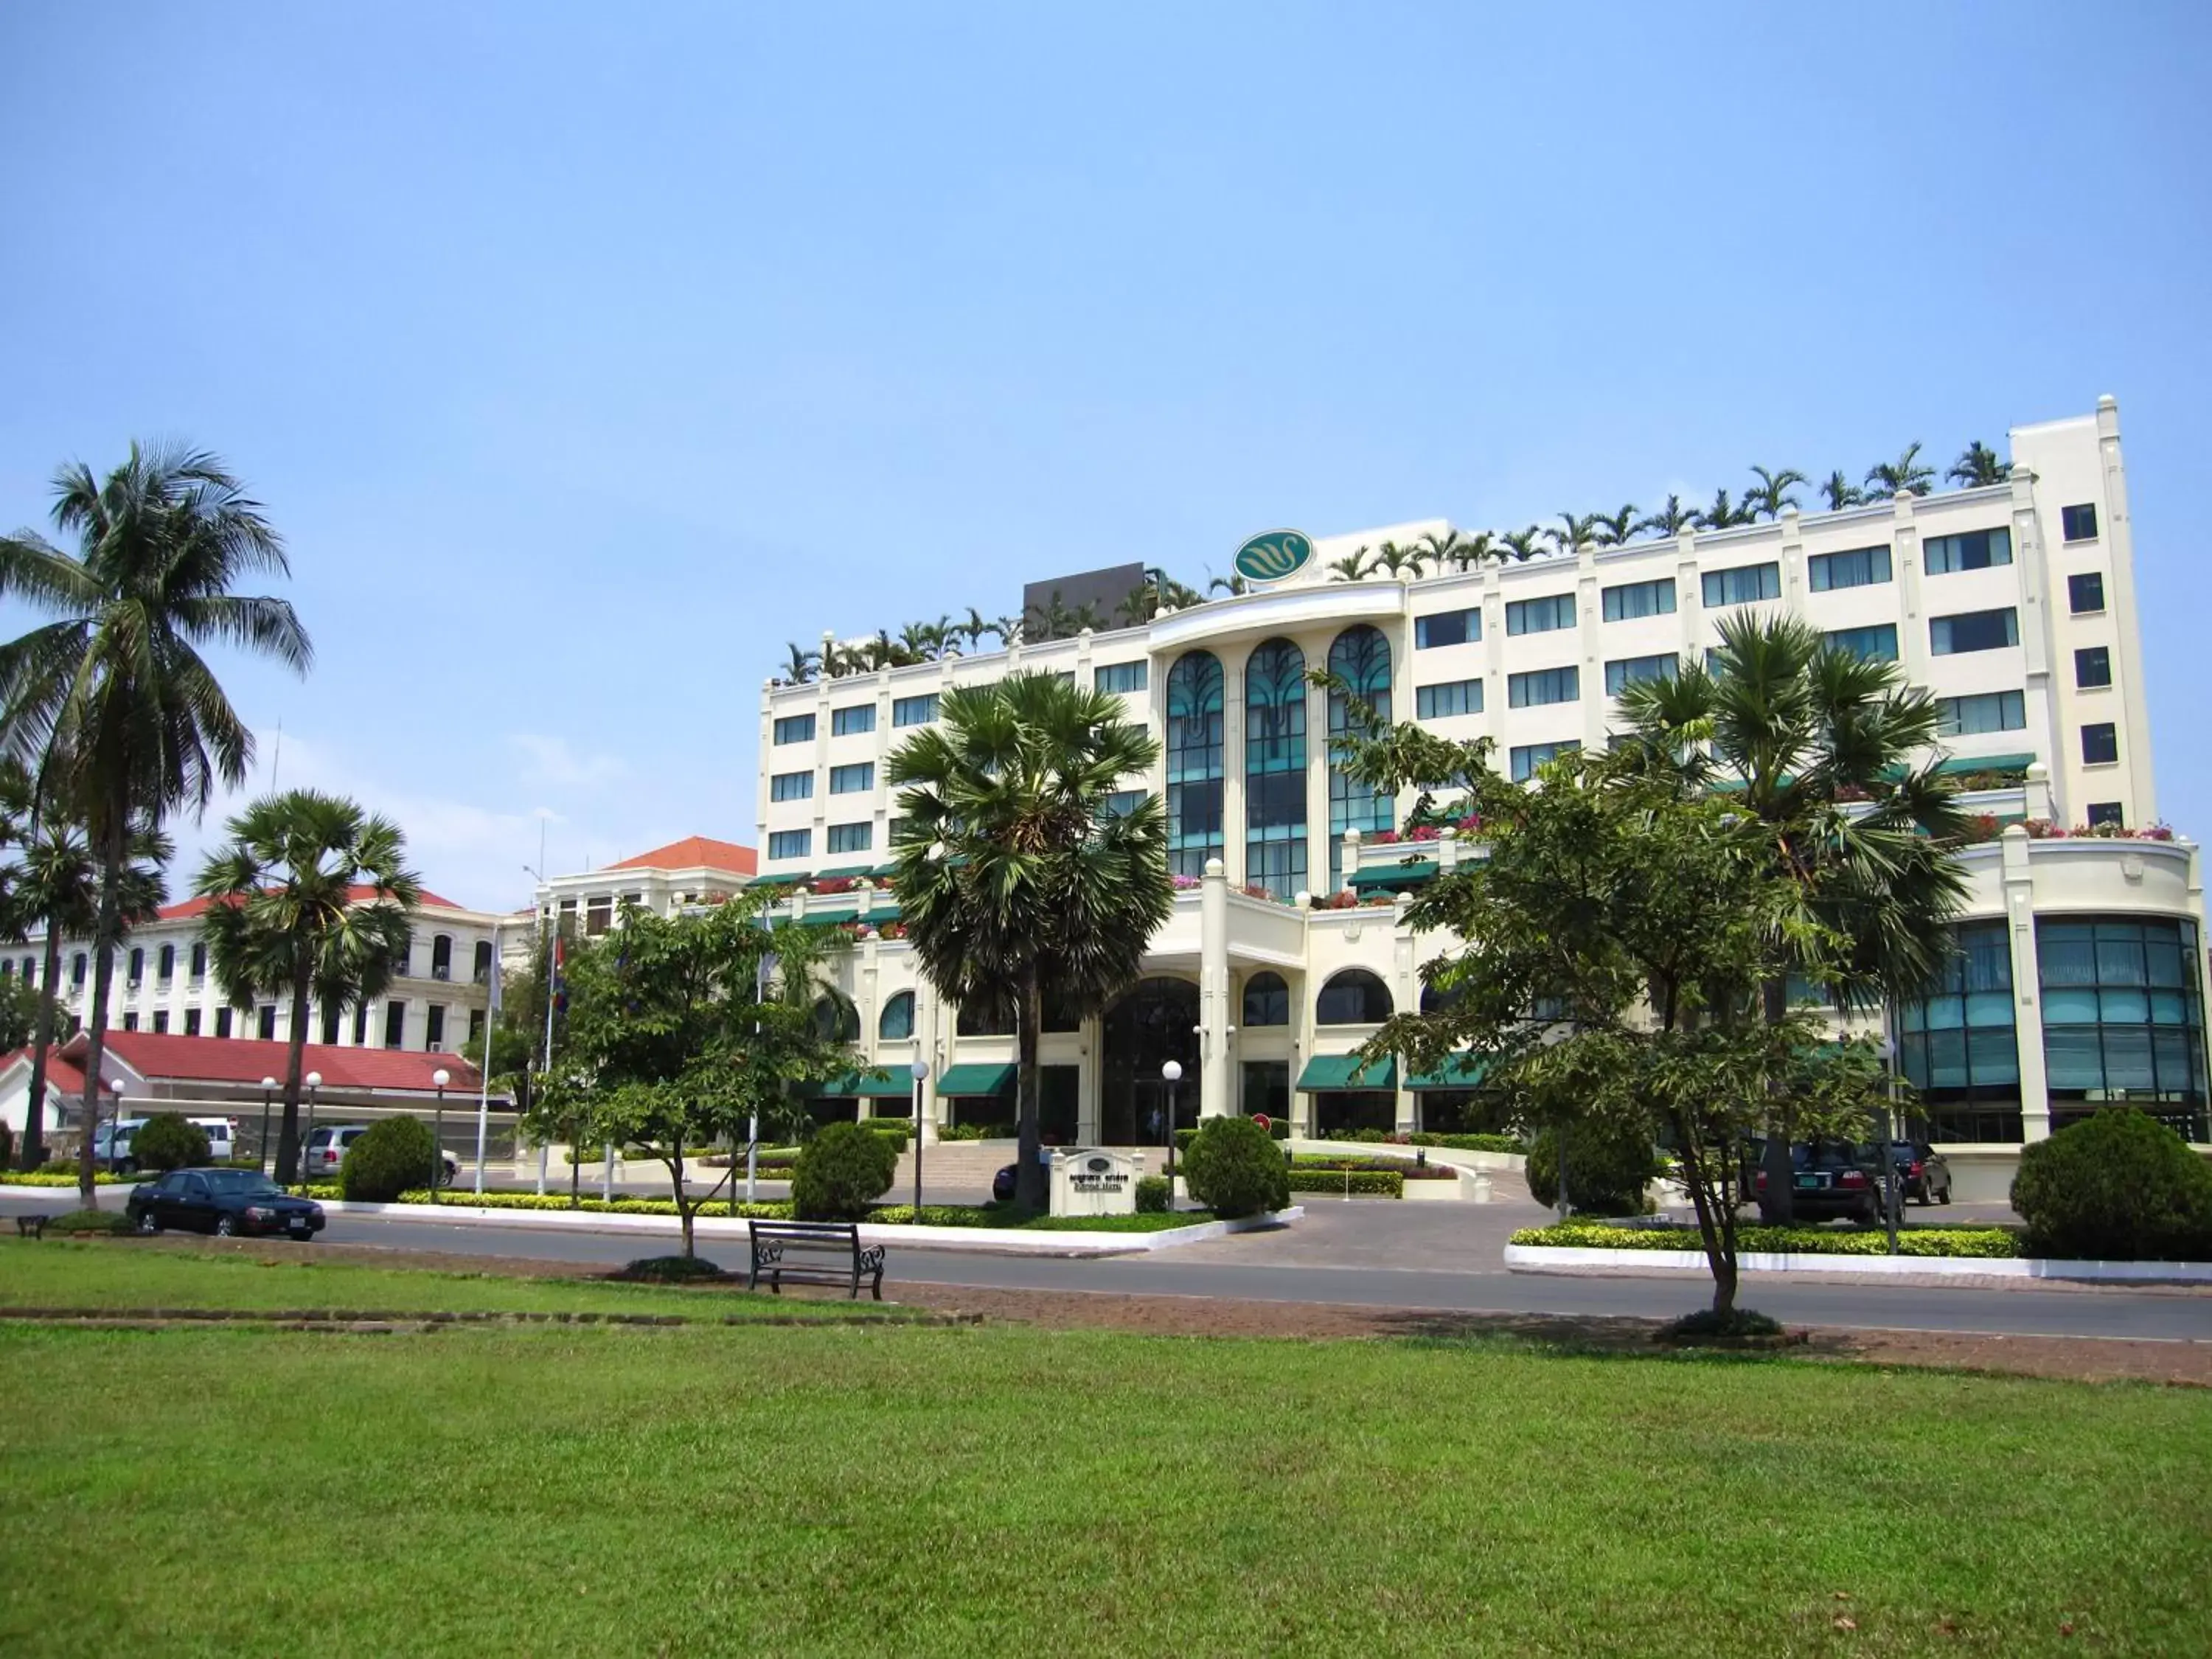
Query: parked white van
(221,1133)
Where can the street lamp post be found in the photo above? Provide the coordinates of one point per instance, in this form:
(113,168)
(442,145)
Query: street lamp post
(441,1077)
(315,1082)
(268,1088)
(1171,1070)
(1889,1189)
(919,1072)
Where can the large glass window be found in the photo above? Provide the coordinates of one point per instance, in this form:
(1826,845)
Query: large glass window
(1120,677)
(1267,1000)
(1267,1088)
(1877,643)
(791,785)
(1973,630)
(836,1020)
(1543,685)
(854,779)
(1354,997)
(985,1019)
(851,837)
(1447,628)
(1543,616)
(896,1022)
(2122,1020)
(1528,756)
(395,1024)
(914,711)
(1742,585)
(2093,667)
(851,721)
(1957,1044)
(1978,549)
(790,843)
(1632,599)
(1122,802)
(2085,593)
(1862,567)
(795,728)
(1436,702)
(1360,656)
(1275,769)
(1194,759)
(1990,711)
(1624,671)
(2100,743)
(2079,524)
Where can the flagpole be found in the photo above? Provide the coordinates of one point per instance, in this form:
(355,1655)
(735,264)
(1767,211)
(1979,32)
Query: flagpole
(552,990)
(483,1075)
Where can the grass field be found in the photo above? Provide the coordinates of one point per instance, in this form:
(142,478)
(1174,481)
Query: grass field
(1001,1490)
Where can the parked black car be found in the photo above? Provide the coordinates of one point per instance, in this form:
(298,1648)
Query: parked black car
(225,1202)
(1922,1173)
(1829,1179)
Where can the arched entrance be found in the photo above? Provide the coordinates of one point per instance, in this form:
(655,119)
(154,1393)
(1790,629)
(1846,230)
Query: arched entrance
(1156,1022)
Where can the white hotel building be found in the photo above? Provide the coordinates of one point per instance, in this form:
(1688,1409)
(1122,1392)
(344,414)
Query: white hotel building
(2083,981)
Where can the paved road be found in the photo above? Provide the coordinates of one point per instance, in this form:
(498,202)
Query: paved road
(1423,1256)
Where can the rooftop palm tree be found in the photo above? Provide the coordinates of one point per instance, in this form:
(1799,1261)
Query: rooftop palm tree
(1841,492)
(1395,562)
(116,683)
(1612,529)
(1671,520)
(1352,568)
(1524,544)
(1722,514)
(287,920)
(799,668)
(1907,472)
(1978,467)
(976,628)
(1233,585)
(1017,880)
(1768,497)
(1575,531)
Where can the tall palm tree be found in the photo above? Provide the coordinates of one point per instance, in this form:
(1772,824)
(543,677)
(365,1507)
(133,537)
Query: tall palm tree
(799,668)
(1907,472)
(117,683)
(1768,497)
(1612,529)
(1524,544)
(1978,467)
(286,918)
(1841,492)
(1018,881)
(1576,530)
(1671,520)
(1722,514)
(1833,755)
(976,628)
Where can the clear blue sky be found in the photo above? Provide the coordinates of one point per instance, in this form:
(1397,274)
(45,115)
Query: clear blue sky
(586,353)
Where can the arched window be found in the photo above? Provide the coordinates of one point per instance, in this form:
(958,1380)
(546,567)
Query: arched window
(168,961)
(1434,1001)
(483,962)
(1266,1000)
(896,1022)
(441,956)
(1361,659)
(137,963)
(1194,756)
(1275,768)
(983,1019)
(1354,997)
(836,1020)
(76,971)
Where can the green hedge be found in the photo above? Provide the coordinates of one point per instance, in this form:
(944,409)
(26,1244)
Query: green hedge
(90,1221)
(977,1132)
(1512,1143)
(1983,1242)
(43,1178)
(1360,1184)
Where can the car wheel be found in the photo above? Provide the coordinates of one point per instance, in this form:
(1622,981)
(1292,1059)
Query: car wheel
(147,1224)
(1946,1197)
(225,1227)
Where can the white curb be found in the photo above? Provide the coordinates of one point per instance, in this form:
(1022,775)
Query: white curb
(1546,1258)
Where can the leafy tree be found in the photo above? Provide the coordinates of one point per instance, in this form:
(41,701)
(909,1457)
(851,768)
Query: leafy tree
(1454,549)
(1840,492)
(1894,477)
(671,1043)
(1233,586)
(285,921)
(1671,520)
(1978,465)
(1768,497)
(1018,881)
(19,1015)
(117,679)
(168,1140)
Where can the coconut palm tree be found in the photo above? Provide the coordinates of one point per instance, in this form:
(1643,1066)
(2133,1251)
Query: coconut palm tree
(288,917)
(1395,562)
(1834,756)
(1352,568)
(1841,492)
(117,683)
(800,667)
(1524,544)
(1017,881)
(1978,467)
(976,628)
(1768,497)
(1907,472)
(917,642)
(1576,530)
(1233,585)
(1722,514)
(1671,520)
(1612,529)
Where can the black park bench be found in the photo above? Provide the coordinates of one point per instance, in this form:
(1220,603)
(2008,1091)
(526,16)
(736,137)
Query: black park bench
(31,1226)
(844,1259)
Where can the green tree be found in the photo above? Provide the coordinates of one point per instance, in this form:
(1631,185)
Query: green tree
(1830,760)
(1978,466)
(118,677)
(1017,880)
(1907,471)
(1722,514)
(1841,492)
(1769,497)
(286,921)
(1612,529)
(670,1043)
(1671,520)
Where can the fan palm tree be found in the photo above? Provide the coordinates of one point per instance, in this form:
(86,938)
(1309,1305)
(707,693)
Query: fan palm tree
(800,667)
(1612,529)
(1352,568)
(117,683)
(287,919)
(1833,756)
(1671,520)
(1907,472)
(1524,544)
(1768,497)
(1017,881)
(1978,467)
(1841,492)
(1722,514)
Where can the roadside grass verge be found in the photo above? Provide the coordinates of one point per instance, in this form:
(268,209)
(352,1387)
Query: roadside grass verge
(1006,1491)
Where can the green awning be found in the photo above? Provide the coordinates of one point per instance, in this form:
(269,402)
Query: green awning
(1961,763)
(891,1086)
(1393,878)
(973,1077)
(827,916)
(854,871)
(1458,1072)
(1327,1073)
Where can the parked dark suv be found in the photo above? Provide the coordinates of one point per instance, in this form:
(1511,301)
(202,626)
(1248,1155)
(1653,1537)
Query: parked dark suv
(1829,1179)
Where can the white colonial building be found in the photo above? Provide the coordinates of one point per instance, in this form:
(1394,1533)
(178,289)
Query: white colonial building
(2083,981)
(697,870)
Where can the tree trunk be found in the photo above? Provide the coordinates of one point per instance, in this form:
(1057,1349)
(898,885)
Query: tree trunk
(1779,1201)
(35,1110)
(1031,1190)
(103,969)
(295,1067)
(682,1206)
(1714,1231)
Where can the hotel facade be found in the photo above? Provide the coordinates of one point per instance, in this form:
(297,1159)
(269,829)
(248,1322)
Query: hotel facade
(2081,980)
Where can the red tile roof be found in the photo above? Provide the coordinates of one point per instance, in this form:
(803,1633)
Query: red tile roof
(60,1073)
(357,894)
(692,853)
(165,1057)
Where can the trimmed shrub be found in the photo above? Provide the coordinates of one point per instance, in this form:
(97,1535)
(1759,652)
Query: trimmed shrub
(91,1221)
(2117,1187)
(842,1171)
(671,1270)
(1153,1193)
(1608,1168)
(391,1157)
(1986,1242)
(898,1128)
(1356,1183)
(1512,1143)
(977,1132)
(168,1140)
(1235,1168)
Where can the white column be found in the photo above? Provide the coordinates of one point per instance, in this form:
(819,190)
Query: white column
(2026,990)
(1406,993)
(2037,618)
(1214,1096)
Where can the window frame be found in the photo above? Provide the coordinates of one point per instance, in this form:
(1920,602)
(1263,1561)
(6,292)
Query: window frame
(1518,686)
(1824,565)
(1611,608)
(1469,618)
(1467,694)
(854,720)
(1711,582)
(1520,613)
(791,728)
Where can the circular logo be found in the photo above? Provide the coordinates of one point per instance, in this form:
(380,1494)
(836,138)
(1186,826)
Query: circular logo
(1272,555)
(1101,1165)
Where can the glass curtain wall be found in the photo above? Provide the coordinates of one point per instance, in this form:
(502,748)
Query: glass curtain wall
(1194,759)
(2122,1020)
(1360,658)
(1958,1045)
(1275,769)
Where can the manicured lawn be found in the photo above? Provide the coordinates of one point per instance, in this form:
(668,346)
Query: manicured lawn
(836,1489)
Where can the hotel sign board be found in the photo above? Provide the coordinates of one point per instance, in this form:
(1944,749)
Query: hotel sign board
(1272,555)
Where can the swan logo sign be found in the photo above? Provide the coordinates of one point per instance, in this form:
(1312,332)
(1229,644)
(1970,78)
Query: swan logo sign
(1272,555)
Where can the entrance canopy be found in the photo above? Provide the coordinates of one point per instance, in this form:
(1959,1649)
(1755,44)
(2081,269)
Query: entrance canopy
(1398,877)
(972,1077)
(1330,1073)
